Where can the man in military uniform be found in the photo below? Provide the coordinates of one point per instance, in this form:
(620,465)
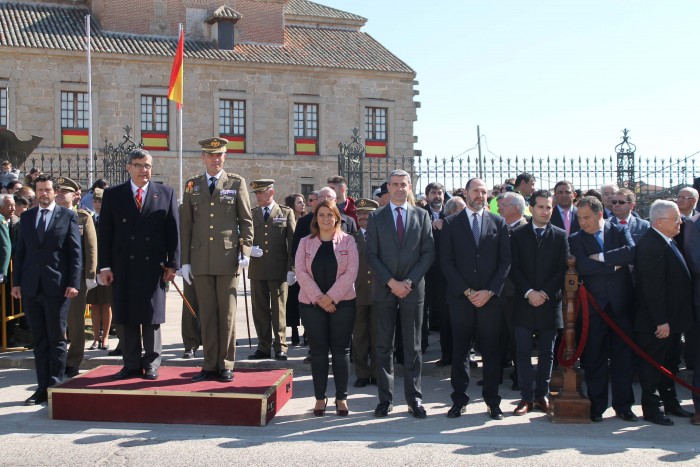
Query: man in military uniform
(270,268)
(364,335)
(88,276)
(214,226)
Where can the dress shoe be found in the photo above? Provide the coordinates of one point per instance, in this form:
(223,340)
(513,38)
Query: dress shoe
(258,355)
(40,396)
(104,346)
(203,375)
(659,419)
(695,420)
(679,411)
(321,412)
(71,372)
(225,376)
(114,353)
(341,412)
(473,363)
(126,373)
(383,409)
(361,382)
(627,415)
(456,410)
(307,359)
(187,355)
(542,404)
(95,345)
(281,355)
(596,417)
(495,412)
(417,410)
(150,374)
(442,363)
(523,407)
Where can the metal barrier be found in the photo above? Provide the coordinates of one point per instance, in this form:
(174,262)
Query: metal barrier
(11,309)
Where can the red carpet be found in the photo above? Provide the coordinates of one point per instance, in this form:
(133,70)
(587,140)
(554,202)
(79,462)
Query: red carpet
(252,399)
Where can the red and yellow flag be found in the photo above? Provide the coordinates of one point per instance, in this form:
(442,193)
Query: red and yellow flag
(175,90)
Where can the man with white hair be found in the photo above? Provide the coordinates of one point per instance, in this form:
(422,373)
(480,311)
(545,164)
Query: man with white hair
(691,229)
(664,302)
(454,205)
(607,192)
(687,200)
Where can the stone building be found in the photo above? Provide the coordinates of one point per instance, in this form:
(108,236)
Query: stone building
(284,80)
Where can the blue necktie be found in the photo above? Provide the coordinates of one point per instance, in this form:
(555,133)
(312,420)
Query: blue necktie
(41,226)
(266,215)
(599,238)
(680,256)
(476,230)
(540,232)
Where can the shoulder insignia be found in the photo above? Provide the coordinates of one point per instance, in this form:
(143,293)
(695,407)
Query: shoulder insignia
(285,208)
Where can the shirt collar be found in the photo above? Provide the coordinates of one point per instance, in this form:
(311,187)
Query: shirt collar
(134,187)
(668,239)
(480,212)
(51,207)
(404,206)
(217,176)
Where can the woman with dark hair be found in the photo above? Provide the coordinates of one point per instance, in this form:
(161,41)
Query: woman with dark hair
(86,201)
(326,266)
(296,202)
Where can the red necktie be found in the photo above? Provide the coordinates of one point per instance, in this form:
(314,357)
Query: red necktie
(623,222)
(139,199)
(399,224)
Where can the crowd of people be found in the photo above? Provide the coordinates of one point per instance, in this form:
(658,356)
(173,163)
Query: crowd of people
(483,267)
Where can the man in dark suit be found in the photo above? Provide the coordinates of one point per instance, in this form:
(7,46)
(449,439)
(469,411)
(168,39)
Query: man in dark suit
(692,258)
(623,204)
(400,251)
(564,212)
(539,252)
(49,237)
(138,252)
(663,309)
(435,306)
(603,254)
(475,258)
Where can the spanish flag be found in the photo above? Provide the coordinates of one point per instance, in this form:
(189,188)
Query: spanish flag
(175,90)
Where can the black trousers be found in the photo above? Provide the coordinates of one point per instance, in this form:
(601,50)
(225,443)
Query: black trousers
(468,323)
(329,331)
(657,388)
(152,346)
(541,378)
(48,319)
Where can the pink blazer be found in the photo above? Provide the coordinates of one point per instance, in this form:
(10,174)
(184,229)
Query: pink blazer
(345,251)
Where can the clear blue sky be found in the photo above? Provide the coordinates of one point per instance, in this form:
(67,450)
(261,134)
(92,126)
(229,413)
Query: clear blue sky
(547,78)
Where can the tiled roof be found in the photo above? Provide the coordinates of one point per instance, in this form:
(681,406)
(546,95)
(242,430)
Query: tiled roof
(62,28)
(307,8)
(224,12)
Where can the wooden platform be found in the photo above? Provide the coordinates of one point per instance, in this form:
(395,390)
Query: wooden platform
(252,399)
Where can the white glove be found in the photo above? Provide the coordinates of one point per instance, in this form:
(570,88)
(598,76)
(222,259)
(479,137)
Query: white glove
(243,261)
(99,279)
(291,278)
(2,278)
(256,252)
(91,283)
(187,273)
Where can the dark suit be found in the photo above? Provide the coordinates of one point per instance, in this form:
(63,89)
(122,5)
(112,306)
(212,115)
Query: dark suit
(557,220)
(484,267)
(613,291)
(136,245)
(538,265)
(692,258)
(436,316)
(409,260)
(637,227)
(44,271)
(664,295)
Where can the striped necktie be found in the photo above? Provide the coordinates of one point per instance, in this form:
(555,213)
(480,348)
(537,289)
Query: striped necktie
(138,198)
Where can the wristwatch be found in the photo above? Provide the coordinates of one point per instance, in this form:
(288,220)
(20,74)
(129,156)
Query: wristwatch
(409,282)
(468,292)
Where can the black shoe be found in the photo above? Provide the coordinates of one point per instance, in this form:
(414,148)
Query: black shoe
(150,374)
(596,417)
(225,376)
(361,382)
(457,410)
(114,353)
(39,397)
(659,419)
(187,355)
(627,415)
(203,375)
(679,411)
(417,410)
(383,409)
(125,373)
(443,363)
(495,412)
(258,355)
(71,372)
(281,355)
(473,363)
(515,386)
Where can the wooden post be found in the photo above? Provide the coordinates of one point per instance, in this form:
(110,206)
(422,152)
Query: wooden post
(569,405)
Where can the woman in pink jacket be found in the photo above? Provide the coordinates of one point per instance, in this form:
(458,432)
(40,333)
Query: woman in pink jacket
(326,265)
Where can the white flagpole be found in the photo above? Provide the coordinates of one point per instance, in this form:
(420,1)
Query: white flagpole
(89,68)
(179,146)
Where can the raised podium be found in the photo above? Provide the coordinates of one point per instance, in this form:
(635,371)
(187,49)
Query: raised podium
(252,399)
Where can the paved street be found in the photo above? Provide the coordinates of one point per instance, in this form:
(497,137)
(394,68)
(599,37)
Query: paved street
(296,437)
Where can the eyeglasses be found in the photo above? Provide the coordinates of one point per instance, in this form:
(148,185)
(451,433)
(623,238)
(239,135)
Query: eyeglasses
(617,201)
(142,166)
(677,220)
(686,197)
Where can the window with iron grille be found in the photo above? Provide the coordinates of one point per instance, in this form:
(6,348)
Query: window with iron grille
(3,107)
(306,129)
(154,114)
(375,123)
(74,110)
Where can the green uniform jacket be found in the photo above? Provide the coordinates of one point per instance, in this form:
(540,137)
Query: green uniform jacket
(88,243)
(363,283)
(5,245)
(275,238)
(211,225)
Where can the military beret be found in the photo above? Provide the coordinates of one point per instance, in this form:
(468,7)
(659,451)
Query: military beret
(213,145)
(262,185)
(364,204)
(97,194)
(65,183)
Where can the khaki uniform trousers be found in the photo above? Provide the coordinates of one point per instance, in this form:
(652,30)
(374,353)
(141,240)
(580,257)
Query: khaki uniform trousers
(76,328)
(364,343)
(190,327)
(216,298)
(270,314)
